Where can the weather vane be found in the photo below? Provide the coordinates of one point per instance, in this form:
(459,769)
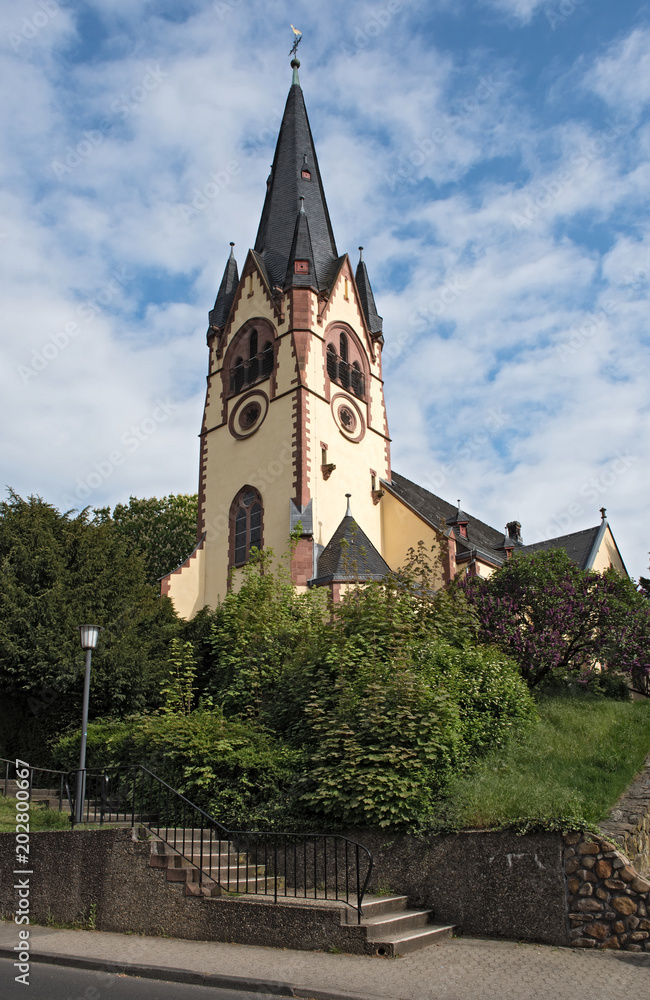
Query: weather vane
(296,42)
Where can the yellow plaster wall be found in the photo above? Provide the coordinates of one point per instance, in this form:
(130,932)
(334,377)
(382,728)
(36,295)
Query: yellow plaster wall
(353,460)
(263,461)
(608,555)
(186,587)
(352,475)
(402,529)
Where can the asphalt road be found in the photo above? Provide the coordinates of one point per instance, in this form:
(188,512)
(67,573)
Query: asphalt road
(52,982)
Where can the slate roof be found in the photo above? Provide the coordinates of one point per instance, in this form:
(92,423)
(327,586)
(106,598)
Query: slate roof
(579,545)
(438,513)
(226,293)
(374,321)
(295,153)
(486,542)
(350,555)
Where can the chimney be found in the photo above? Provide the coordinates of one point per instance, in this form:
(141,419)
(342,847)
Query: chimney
(514,532)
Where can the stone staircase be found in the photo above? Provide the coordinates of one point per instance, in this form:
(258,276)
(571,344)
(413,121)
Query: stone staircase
(393,929)
(388,927)
(48,798)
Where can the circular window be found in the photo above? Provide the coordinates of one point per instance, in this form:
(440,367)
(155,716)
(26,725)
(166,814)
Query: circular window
(249,416)
(248,498)
(248,413)
(348,417)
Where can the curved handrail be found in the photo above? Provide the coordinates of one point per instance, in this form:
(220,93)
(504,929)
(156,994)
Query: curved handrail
(331,862)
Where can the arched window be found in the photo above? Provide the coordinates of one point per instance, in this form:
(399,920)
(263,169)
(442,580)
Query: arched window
(245,525)
(251,364)
(346,367)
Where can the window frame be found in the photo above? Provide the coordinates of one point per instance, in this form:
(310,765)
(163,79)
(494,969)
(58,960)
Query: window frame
(253,533)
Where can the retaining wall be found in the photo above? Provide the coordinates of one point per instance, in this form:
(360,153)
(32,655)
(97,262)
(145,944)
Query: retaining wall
(575,890)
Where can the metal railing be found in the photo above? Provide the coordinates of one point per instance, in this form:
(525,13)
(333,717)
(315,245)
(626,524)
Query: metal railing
(38,780)
(281,865)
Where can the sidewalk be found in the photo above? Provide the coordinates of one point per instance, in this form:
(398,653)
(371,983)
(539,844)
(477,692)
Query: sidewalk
(454,969)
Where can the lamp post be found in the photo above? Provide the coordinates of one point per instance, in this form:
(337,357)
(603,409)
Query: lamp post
(89,635)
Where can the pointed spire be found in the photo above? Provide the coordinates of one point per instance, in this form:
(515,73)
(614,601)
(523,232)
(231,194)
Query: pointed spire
(226,293)
(294,173)
(373,320)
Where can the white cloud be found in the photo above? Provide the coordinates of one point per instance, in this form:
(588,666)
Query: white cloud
(622,76)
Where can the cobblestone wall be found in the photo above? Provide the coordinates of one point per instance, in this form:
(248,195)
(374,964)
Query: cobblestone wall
(608,900)
(628,824)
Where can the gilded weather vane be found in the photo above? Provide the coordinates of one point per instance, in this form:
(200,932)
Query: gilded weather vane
(296,42)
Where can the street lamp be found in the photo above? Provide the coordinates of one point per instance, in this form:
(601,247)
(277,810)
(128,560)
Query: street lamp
(89,635)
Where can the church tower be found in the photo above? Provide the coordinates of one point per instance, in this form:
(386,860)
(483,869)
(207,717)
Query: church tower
(294,414)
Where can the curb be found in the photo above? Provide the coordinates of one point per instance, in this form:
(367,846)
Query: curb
(188,976)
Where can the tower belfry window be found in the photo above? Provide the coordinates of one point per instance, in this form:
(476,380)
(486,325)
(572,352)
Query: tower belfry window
(252,363)
(341,369)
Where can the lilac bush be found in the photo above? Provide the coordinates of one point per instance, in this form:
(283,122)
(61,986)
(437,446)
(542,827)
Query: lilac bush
(555,619)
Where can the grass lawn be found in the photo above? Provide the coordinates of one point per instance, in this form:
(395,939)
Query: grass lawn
(572,764)
(39,818)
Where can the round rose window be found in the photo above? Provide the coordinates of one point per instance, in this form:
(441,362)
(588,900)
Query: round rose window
(348,417)
(248,413)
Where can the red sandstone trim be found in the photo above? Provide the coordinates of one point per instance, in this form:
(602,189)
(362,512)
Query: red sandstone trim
(165,581)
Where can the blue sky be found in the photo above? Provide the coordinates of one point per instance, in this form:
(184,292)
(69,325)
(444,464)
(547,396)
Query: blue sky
(492,157)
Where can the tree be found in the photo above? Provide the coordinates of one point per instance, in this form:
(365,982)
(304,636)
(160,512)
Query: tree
(58,571)
(554,618)
(163,530)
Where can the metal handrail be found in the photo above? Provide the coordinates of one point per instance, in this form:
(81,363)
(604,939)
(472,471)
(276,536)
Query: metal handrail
(303,865)
(63,783)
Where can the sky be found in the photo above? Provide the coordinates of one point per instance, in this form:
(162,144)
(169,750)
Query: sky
(492,157)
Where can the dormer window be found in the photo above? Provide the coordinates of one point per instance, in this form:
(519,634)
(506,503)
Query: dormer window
(306,176)
(301,267)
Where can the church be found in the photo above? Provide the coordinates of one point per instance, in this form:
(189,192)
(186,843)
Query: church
(294,438)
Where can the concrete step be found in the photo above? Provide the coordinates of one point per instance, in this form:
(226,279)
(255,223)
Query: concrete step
(387,926)
(376,907)
(402,944)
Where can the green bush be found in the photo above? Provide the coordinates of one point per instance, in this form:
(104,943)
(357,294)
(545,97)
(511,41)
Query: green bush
(242,776)
(493,701)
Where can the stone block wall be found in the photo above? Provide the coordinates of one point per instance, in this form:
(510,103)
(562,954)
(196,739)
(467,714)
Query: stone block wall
(628,824)
(608,900)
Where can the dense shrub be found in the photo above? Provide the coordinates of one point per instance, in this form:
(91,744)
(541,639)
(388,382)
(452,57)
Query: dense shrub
(239,774)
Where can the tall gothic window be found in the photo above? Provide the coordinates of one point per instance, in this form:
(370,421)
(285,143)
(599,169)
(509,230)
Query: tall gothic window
(245,525)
